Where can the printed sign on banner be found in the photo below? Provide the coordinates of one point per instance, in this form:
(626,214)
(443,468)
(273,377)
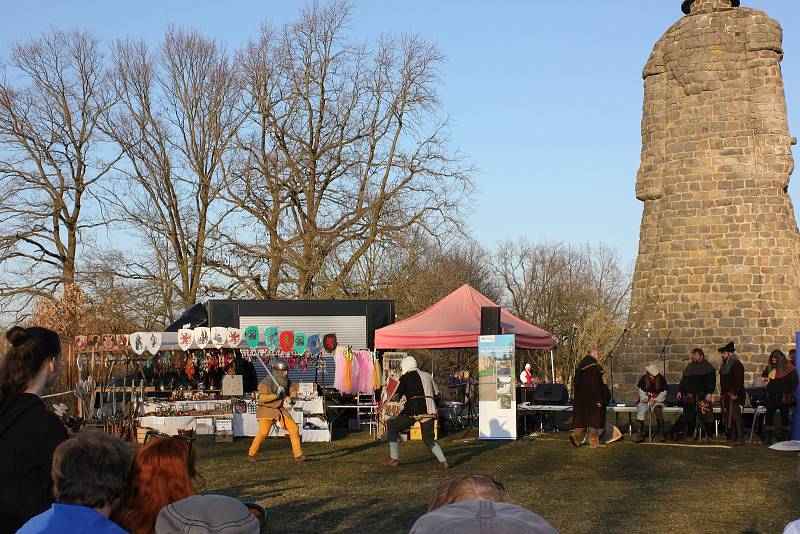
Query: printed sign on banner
(219,335)
(152,342)
(202,335)
(234,337)
(497,413)
(137,342)
(251,336)
(185,338)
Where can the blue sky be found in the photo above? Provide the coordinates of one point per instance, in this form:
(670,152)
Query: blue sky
(545,95)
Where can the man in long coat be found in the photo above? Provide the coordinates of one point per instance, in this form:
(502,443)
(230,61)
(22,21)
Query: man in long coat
(588,408)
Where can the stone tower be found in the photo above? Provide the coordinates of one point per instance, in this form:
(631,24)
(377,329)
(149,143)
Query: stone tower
(718,244)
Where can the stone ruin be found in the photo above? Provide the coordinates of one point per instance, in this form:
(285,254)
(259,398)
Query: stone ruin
(718,245)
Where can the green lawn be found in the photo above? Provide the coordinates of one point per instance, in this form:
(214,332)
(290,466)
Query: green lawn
(624,488)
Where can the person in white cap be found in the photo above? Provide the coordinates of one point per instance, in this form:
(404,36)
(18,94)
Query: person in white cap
(419,390)
(652,393)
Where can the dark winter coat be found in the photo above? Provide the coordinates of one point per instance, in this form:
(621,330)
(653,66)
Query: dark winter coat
(28,436)
(733,382)
(588,407)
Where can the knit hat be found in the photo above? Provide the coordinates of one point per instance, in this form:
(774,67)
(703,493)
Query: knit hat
(651,369)
(206,514)
(482,517)
(409,363)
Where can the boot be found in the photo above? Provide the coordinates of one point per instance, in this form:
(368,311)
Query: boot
(659,437)
(639,436)
(594,441)
(738,429)
(769,435)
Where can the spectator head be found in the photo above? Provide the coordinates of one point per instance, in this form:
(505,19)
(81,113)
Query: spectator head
(91,470)
(409,363)
(217,514)
(467,488)
(162,473)
(698,355)
(594,352)
(480,516)
(33,359)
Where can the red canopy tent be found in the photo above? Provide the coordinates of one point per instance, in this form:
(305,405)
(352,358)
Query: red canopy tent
(455,322)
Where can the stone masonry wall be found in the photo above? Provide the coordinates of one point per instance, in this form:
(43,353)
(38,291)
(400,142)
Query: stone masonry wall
(718,246)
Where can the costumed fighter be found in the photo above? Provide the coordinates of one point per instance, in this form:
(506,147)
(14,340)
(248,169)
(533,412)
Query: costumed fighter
(588,409)
(525,377)
(272,392)
(419,390)
(781,379)
(731,390)
(652,394)
(698,382)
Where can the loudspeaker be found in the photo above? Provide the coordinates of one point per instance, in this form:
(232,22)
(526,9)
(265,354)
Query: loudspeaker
(758,396)
(490,320)
(552,394)
(672,395)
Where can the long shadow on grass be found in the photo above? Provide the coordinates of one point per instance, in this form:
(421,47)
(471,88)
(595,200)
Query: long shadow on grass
(331,515)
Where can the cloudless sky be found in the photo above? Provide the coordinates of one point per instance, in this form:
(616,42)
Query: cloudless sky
(546,96)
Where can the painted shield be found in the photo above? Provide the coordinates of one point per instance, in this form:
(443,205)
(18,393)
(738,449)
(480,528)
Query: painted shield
(202,336)
(185,338)
(81,342)
(314,345)
(251,336)
(329,342)
(152,342)
(94,342)
(122,340)
(287,340)
(108,341)
(300,342)
(271,337)
(219,335)
(137,342)
(234,337)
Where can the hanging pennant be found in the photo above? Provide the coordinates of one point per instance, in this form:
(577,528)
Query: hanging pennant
(185,338)
(251,336)
(234,337)
(81,342)
(202,336)
(329,342)
(287,340)
(300,342)
(314,344)
(152,342)
(219,335)
(271,337)
(137,342)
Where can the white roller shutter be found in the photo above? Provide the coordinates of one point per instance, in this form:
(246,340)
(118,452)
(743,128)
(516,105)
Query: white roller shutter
(349,329)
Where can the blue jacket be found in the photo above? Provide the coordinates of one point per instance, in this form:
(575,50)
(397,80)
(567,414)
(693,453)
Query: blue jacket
(70,518)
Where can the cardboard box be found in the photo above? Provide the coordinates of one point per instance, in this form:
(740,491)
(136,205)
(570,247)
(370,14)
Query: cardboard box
(204,426)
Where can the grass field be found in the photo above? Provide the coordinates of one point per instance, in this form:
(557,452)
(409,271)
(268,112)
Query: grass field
(623,488)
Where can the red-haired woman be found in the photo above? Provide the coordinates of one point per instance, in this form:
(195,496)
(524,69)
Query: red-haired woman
(162,473)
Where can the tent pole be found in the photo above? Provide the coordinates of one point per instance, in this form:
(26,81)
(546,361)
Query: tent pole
(552,366)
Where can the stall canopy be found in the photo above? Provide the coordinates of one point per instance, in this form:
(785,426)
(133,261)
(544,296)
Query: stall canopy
(455,322)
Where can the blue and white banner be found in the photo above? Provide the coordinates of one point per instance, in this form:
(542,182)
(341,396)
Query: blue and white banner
(497,414)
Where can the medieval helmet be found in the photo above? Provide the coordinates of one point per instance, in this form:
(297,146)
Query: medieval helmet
(280,365)
(409,363)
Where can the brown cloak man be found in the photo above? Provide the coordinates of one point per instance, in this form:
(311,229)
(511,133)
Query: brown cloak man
(588,408)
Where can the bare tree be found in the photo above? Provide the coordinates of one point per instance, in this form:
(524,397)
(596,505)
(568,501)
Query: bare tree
(578,294)
(344,150)
(52,158)
(176,120)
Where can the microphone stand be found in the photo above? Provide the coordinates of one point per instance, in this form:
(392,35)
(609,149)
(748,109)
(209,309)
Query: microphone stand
(610,356)
(663,354)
